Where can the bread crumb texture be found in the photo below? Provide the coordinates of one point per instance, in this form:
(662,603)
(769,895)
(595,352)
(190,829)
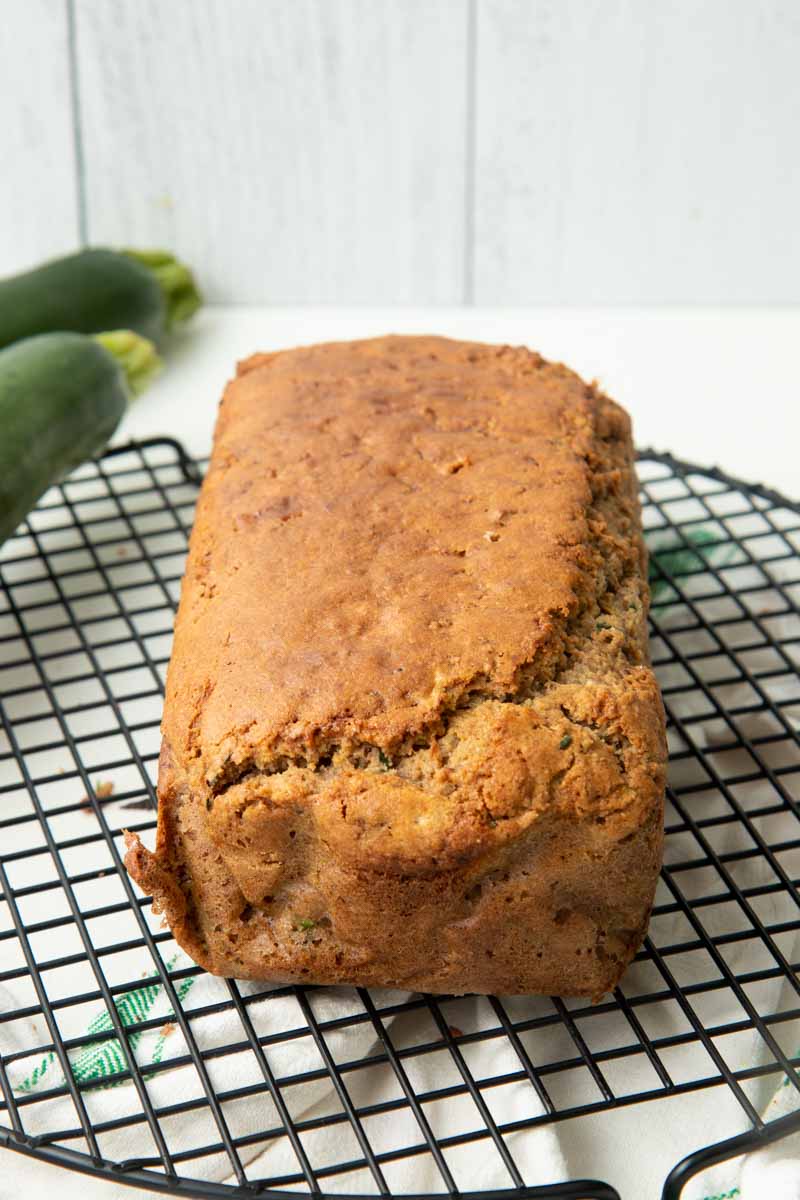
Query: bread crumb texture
(411,737)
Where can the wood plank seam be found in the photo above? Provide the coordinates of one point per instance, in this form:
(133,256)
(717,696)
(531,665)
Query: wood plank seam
(77,123)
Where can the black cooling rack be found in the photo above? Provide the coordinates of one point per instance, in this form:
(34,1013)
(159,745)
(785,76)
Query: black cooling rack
(120,1058)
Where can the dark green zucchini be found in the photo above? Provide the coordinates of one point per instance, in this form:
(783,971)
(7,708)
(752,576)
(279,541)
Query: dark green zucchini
(145,291)
(62,395)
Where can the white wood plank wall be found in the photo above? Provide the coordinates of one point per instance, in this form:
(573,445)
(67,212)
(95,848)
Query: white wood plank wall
(413,151)
(38,169)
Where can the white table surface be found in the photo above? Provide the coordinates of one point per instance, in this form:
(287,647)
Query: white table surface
(717,386)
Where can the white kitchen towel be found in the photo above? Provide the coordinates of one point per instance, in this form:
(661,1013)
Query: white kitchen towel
(110,1096)
(476,1165)
(773,1172)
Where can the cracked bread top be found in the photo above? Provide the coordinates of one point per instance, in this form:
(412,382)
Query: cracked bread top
(393,533)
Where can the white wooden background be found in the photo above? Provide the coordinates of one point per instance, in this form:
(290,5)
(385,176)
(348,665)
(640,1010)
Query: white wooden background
(413,151)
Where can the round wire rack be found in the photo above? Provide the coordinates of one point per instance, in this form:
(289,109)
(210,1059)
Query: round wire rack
(119,1057)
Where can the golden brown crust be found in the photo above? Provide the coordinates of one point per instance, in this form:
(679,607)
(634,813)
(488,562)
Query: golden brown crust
(410,736)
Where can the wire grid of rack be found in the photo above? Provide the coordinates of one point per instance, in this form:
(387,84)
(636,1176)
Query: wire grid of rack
(120,1057)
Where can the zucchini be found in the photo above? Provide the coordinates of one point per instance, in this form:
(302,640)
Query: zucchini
(61,398)
(145,291)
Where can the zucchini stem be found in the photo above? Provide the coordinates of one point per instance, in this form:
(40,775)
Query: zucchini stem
(137,357)
(181,294)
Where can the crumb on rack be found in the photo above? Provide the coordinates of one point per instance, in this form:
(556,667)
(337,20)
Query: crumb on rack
(103,789)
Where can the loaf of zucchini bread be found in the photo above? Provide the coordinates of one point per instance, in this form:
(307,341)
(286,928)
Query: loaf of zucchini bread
(411,737)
